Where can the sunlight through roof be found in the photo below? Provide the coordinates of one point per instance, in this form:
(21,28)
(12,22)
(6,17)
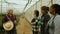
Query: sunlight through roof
(17,4)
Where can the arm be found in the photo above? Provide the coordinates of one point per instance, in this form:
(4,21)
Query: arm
(33,20)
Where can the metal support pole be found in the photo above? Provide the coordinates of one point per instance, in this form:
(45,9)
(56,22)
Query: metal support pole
(1,12)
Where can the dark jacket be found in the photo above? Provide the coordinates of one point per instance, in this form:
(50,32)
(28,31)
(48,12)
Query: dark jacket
(12,18)
(44,19)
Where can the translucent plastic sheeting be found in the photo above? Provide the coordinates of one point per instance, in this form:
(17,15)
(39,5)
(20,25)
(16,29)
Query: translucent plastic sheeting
(12,4)
(29,14)
(29,5)
(16,4)
(45,2)
(56,2)
(18,1)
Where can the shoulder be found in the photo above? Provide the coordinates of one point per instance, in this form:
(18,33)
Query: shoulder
(47,15)
(57,17)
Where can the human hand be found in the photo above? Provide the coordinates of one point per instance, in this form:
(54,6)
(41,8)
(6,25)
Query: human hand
(15,22)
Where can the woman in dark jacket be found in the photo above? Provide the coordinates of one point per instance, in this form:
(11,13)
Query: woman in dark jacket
(44,19)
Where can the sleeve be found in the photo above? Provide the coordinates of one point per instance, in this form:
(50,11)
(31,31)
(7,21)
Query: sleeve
(33,20)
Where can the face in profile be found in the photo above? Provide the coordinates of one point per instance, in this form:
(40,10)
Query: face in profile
(42,11)
(36,13)
(51,10)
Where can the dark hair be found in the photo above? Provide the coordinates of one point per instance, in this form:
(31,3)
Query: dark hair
(57,8)
(37,13)
(45,8)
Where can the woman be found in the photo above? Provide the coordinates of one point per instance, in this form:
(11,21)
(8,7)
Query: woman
(54,22)
(12,17)
(34,22)
(44,19)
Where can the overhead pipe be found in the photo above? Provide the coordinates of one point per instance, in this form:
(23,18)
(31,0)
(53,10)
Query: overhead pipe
(25,7)
(35,3)
(27,4)
(30,1)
